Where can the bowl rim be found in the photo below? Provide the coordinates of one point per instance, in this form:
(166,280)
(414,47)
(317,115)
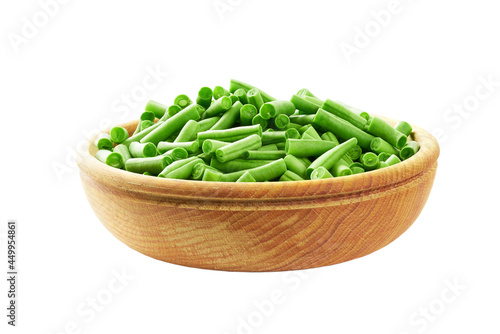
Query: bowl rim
(192,190)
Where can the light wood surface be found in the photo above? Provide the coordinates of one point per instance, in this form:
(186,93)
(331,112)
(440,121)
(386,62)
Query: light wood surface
(270,226)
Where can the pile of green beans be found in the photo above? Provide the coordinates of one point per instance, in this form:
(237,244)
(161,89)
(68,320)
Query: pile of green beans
(243,134)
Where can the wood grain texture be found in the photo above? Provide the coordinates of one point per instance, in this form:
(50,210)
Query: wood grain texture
(270,226)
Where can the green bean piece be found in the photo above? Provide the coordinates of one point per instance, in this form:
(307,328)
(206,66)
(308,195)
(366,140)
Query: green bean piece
(279,122)
(304,105)
(278,107)
(392,160)
(304,128)
(307,136)
(236,149)
(153,165)
(230,135)
(103,141)
(173,109)
(356,164)
(189,132)
(269,172)
(145,124)
(268,147)
(112,159)
(218,107)
(348,159)
(311,131)
(199,170)
(247,113)
(404,127)
(211,145)
(123,151)
(355,152)
(211,175)
(237,164)
(246,177)
(182,101)
(232,177)
(258,120)
(382,164)
(296,165)
(328,136)
(148,116)
(378,145)
(234,99)
(241,94)
(305,160)
(357,170)
(302,119)
(314,100)
(308,147)
(182,170)
(342,128)
(321,173)
(384,156)
(205,157)
(177,153)
(255,98)
(157,108)
(341,168)
(263,155)
(142,150)
(305,92)
(204,98)
(345,113)
(173,124)
(293,125)
(118,134)
(141,134)
(236,84)
(229,118)
(189,146)
(409,150)
(290,176)
(331,157)
(207,123)
(380,128)
(272,137)
(369,161)
(280,145)
(219,92)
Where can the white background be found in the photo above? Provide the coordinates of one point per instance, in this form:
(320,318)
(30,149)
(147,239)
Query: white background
(69,77)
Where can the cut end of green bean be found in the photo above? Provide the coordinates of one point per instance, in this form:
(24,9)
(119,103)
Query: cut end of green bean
(118,134)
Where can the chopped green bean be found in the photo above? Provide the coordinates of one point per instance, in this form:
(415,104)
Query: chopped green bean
(219,92)
(207,123)
(355,152)
(312,133)
(153,165)
(258,120)
(380,128)
(392,160)
(305,92)
(199,170)
(303,105)
(314,100)
(182,170)
(384,156)
(382,164)
(204,98)
(278,107)
(268,172)
(341,168)
(409,150)
(369,161)
(189,146)
(328,136)
(255,98)
(330,157)
(233,176)
(290,176)
(142,150)
(148,116)
(241,94)
(157,108)
(342,111)
(211,145)
(308,147)
(177,153)
(230,135)
(378,145)
(268,147)
(293,125)
(404,127)
(237,164)
(182,101)
(236,84)
(296,165)
(357,170)
(280,122)
(118,134)
(211,175)
(302,119)
(246,177)
(247,113)
(263,155)
(342,128)
(112,159)
(123,151)
(218,107)
(173,109)
(321,173)
(188,132)
(104,142)
(173,124)
(236,149)
(229,118)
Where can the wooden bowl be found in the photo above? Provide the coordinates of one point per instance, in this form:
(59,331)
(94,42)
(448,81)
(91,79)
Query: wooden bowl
(270,226)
